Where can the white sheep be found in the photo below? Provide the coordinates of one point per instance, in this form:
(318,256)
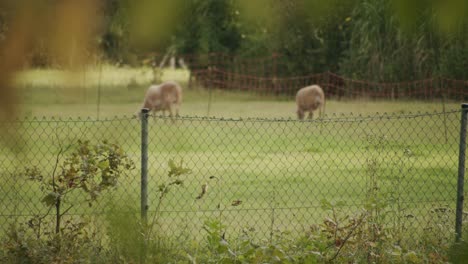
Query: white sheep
(309,99)
(162,97)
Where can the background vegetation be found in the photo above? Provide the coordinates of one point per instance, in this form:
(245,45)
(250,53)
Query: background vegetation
(370,39)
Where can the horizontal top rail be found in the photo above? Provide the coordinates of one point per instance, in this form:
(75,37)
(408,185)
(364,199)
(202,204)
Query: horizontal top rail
(343,117)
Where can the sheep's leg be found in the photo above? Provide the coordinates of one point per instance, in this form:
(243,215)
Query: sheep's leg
(177,110)
(322,109)
(311,115)
(163,113)
(300,114)
(171,113)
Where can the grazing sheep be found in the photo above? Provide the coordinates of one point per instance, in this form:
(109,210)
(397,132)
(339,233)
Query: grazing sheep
(309,99)
(162,97)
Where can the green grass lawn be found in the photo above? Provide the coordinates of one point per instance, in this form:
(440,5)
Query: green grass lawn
(279,170)
(121,91)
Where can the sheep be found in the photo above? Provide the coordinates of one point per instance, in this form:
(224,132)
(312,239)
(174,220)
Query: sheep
(162,97)
(309,99)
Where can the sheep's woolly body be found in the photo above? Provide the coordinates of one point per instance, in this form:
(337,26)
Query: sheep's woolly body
(309,99)
(162,97)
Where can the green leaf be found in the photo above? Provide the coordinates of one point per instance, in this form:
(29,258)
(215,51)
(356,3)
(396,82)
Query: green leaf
(340,204)
(412,257)
(372,244)
(325,204)
(50,199)
(103,164)
(278,253)
(191,259)
(171,164)
(85,186)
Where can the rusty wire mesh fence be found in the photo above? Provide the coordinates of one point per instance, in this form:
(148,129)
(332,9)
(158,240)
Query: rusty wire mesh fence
(335,86)
(261,175)
(269,76)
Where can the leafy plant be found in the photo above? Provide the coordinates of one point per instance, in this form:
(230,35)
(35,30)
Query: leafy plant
(174,179)
(245,249)
(91,169)
(458,252)
(124,230)
(77,243)
(145,245)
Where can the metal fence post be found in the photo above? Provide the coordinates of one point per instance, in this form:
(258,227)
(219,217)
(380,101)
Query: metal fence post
(461,173)
(144,164)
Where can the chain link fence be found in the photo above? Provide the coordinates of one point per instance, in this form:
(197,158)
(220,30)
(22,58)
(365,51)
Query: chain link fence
(260,176)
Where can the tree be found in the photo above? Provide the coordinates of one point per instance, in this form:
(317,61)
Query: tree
(91,169)
(209,26)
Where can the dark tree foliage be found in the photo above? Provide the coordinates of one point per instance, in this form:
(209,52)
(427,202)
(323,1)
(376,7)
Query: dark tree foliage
(112,33)
(313,35)
(379,40)
(209,26)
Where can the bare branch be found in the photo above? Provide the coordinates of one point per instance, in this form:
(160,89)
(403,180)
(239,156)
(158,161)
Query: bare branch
(64,212)
(348,237)
(57,158)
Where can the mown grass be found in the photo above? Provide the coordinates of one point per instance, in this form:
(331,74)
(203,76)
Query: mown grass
(121,90)
(280,171)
